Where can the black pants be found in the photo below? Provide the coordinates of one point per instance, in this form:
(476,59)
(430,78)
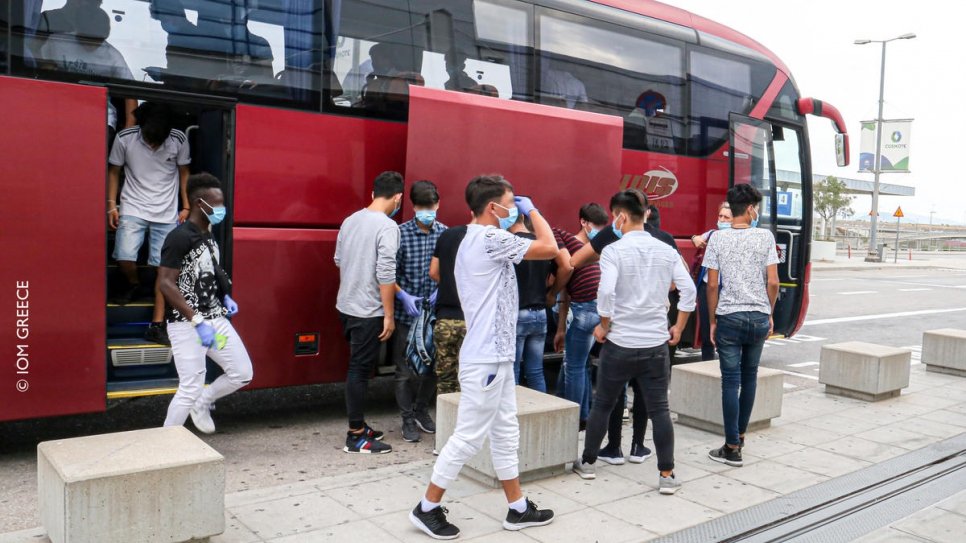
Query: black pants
(363,337)
(413,392)
(638,420)
(618,365)
(707,348)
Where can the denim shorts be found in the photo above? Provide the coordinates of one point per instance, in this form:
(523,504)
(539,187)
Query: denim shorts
(130,237)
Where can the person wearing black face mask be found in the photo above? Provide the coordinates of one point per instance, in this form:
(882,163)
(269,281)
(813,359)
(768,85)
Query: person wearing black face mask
(197,291)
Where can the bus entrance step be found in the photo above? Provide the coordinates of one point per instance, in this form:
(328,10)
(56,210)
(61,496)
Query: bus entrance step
(847,507)
(137,352)
(136,312)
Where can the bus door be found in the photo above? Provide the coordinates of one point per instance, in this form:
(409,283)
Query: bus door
(52,239)
(137,365)
(754,145)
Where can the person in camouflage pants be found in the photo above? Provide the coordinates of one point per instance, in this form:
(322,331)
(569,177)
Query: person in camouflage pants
(448,338)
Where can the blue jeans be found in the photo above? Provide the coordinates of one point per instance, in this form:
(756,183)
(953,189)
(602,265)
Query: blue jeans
(577,346)
(531,337)
(740,338)
(130,237)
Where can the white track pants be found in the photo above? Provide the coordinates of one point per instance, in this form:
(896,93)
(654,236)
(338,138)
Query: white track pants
(189,359)
(485,410)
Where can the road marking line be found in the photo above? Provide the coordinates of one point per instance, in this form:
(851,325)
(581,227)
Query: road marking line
(803,364)
(913,289)
(802,375)
(849,293)
(883,316)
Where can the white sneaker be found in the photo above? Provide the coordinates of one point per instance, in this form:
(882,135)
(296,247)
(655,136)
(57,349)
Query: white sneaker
(585,471)
(201,417)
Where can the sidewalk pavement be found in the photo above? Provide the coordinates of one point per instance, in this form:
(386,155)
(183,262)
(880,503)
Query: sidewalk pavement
(817,437)
(921,261)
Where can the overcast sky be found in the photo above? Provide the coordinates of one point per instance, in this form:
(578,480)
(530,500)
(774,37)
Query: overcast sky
(925,80)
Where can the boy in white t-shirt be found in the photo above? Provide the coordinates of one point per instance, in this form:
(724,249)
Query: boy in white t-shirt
(487,287)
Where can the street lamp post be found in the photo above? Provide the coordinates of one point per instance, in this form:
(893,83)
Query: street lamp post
(873,255)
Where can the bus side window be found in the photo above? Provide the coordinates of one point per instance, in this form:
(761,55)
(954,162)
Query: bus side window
(615,70)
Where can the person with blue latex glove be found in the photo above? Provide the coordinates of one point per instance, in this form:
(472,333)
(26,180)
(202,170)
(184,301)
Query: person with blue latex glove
(432,297)
(206,333)
(417,242)
(231,306)
(524,205)
(410,303)
(196,291)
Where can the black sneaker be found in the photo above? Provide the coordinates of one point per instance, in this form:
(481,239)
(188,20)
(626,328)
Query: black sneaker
(639,453)
(611,455)
(410,432)
(361,444)
(425,422)
(157,332)
(127,295)
(373,434)
(727,455)
(433,522)
(529,518)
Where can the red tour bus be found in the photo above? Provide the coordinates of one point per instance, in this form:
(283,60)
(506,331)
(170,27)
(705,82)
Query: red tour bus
(296,105)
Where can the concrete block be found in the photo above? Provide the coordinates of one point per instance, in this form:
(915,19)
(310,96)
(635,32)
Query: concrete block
(155,485)
(695,396)
(944,351)
(548,436)
(864,371)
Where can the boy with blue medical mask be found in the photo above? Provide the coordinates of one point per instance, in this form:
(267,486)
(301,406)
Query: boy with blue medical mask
(417,241)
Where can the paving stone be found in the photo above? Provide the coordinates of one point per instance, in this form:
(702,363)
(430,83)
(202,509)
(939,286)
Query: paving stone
(397,493)
(294,515)
(589,526)
(822,462)
(862,449)
(775,476)
(893,435)
(660,514)
(472,523)
(724,493)
(360,530)
(935,525)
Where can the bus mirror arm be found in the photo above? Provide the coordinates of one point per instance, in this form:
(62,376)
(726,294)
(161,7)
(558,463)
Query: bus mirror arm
(811,106)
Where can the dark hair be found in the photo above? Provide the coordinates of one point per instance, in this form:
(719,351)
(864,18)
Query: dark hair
(593,213)
(200,183)
(740,197)
(654,219)
(633,202)
(387,185)
(154,119)
(484,189)
(423,194)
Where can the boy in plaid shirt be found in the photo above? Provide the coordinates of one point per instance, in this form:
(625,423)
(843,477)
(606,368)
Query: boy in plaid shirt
(418,238)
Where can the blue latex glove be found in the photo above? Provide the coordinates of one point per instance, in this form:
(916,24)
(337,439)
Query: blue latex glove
(230,305)
(432,297)
(410,303)
(207,334)
(524,204)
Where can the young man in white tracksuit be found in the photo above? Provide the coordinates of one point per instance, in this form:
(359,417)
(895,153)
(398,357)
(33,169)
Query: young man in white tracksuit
(487,287)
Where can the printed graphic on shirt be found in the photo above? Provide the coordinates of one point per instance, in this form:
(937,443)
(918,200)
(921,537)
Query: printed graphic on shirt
(741,257)
(487,286)
(195,258)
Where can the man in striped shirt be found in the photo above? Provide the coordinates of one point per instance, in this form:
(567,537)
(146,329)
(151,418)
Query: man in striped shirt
(580,298)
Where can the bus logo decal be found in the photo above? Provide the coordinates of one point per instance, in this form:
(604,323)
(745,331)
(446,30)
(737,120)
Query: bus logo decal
(657,184)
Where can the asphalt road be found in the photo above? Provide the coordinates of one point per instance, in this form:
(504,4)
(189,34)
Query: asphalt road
(274,437)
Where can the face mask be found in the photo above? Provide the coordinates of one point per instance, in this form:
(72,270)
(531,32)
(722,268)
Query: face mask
(394,211)
(617,231)
(724,225)
(506,223)
(754,222)
(426,216)
(217,213)
(591,232)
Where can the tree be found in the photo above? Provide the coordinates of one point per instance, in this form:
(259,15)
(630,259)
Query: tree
(831,201)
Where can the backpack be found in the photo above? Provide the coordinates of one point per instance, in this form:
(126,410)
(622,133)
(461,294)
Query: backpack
(420,349)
